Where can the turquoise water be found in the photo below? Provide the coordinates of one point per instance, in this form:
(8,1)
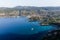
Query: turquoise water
(21,25)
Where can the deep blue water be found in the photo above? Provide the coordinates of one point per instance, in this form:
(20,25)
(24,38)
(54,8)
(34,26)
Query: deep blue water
(21,25)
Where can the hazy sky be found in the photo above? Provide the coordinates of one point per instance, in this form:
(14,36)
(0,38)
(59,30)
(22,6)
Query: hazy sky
(39,3)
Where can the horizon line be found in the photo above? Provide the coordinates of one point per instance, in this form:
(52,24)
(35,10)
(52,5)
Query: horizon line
(29,6)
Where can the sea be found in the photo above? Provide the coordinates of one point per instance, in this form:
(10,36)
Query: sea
(20,28)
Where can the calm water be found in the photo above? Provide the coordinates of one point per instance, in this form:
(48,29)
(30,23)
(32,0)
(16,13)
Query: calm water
(21,25)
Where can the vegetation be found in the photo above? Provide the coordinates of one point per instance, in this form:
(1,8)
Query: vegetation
(48,14)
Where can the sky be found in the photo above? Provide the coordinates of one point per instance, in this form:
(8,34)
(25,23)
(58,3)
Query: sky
(37,3)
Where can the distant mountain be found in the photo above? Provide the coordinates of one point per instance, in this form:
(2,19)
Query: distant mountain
(37,8)
(27,8)
(31,7)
